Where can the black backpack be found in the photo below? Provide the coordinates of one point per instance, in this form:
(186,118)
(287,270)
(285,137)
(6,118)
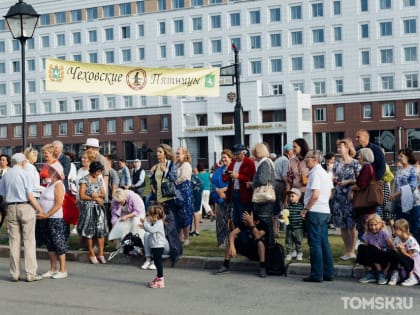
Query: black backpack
(132,245)
(274,260)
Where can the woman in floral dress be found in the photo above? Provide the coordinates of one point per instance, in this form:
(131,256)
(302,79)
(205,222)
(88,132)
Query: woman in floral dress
(345,171)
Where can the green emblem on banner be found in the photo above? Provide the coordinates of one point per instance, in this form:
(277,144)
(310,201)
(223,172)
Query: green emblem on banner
(210,81)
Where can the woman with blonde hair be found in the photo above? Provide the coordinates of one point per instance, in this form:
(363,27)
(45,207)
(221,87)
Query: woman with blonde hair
(345,171)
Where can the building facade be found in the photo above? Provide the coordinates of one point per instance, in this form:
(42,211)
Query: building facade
(314,69)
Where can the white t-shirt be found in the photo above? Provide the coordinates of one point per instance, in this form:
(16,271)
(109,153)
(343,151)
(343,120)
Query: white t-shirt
(319,180)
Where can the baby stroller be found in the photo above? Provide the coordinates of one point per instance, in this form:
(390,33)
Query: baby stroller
(131,245)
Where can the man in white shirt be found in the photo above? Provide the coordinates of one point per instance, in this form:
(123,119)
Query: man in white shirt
(317,215)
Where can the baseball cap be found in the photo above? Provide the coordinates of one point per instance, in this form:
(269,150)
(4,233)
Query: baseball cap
(238,148)
(295,191)
(287,147)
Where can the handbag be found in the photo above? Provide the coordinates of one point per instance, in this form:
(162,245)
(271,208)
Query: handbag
(168,188)
(372,196)
(263,194)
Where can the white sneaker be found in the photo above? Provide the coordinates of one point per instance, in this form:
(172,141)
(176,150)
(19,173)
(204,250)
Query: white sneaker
(49,274)
(299,257)
(60,275)
(288,257)
(412,280)
(394,278)
(152,266)
(74,231)
(146,264)
(294,254)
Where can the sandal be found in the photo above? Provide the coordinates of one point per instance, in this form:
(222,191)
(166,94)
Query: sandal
(102,259)
(93,260)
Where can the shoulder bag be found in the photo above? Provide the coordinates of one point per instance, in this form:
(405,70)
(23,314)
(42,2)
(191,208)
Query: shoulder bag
(263,194)
(372,196)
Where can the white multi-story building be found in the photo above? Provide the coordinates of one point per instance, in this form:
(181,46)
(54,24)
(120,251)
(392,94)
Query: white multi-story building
(316,69)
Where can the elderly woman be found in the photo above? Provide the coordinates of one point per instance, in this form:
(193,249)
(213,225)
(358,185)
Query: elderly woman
(51,202)
(126,210)
(92,222)
(297,174)
(264,175)
(48,155)
(345,170)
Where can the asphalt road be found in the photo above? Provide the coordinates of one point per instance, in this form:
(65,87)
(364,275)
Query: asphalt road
(120,289)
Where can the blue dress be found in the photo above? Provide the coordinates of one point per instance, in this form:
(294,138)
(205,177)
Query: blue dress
(343,208)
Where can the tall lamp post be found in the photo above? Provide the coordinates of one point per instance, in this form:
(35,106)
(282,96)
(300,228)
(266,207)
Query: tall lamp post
(238,117)
(22,20)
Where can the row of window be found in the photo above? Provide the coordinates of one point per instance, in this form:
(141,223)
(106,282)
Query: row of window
(387,111)
(79,127)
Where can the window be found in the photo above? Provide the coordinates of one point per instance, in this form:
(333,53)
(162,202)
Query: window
(163,100)
(109,33)
(141,30)
(297,63)
(298,86)
(388,110)
(235,19)
(94,103)
(109,57)
(62,128)
(76,15)
(16,45)
(178,4)
(125,32)
(410,26)
(338,60)
(161,5)
(32,108)
(297,37)
(164,123)
(366,84)
(255,17)
(44,20)
(320,114)
(198,48)
(30,43)
(17,131)
(78,105)
(94,126)
(276,65)
(256,67)
(60,17)
(47,107)
(195,3)
(125,9)
(296,12)
(387,55)
(62,106)
(276,89)
(255,41)
(92,13)
(364,5)
(275,40)
(128,125)
(319,87)
(143,124)
(78,128)
(409,3)
(337,34)
(16,88)
(387,82)
(385,28)
(111,126)
(128,101)
(30,64)
(61,40)
(143,100)
(339,86)
(364,30)
(17,109)
(32,130)
(126,55)
(47,130)
(108,11)
(216,21)
(93,36)
(411,81)
(384,4)
(216,46)
(367,111)
(411,109)
(3,110)
(197,24)
(410,54)
(339,113)
(179,26)
(162,28)
(237,42)
(93,57)
(45,41)
(162,50)
(142,53)
(31,86)
(3,90)
(275,15)
(319,62)
(2,47)
(179,50)
(318,35)
(111,102)
(77,38)
(365,56)
(2,67)
(317,9)
(337,7)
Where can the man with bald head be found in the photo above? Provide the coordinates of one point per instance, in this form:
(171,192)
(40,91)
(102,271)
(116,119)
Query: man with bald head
(363,141)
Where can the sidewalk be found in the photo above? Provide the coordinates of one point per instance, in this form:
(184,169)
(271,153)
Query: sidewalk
(207,263)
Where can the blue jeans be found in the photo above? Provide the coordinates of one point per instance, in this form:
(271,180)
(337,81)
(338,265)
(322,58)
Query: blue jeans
(321,258)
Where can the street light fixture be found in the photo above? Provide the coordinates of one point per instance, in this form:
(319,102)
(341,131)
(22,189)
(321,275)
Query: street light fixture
(22,20)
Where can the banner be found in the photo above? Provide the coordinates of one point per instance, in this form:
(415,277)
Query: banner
(72,76)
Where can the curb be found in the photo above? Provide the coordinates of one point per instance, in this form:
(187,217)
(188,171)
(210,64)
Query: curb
(199,262)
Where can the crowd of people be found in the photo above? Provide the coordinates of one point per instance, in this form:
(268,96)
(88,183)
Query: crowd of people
(302,189)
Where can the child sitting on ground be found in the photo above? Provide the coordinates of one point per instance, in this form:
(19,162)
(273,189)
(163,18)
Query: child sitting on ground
(376,252)
(294,230)
(408,253)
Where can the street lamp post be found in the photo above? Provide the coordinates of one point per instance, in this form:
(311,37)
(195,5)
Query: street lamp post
(238,118)
(22,19)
